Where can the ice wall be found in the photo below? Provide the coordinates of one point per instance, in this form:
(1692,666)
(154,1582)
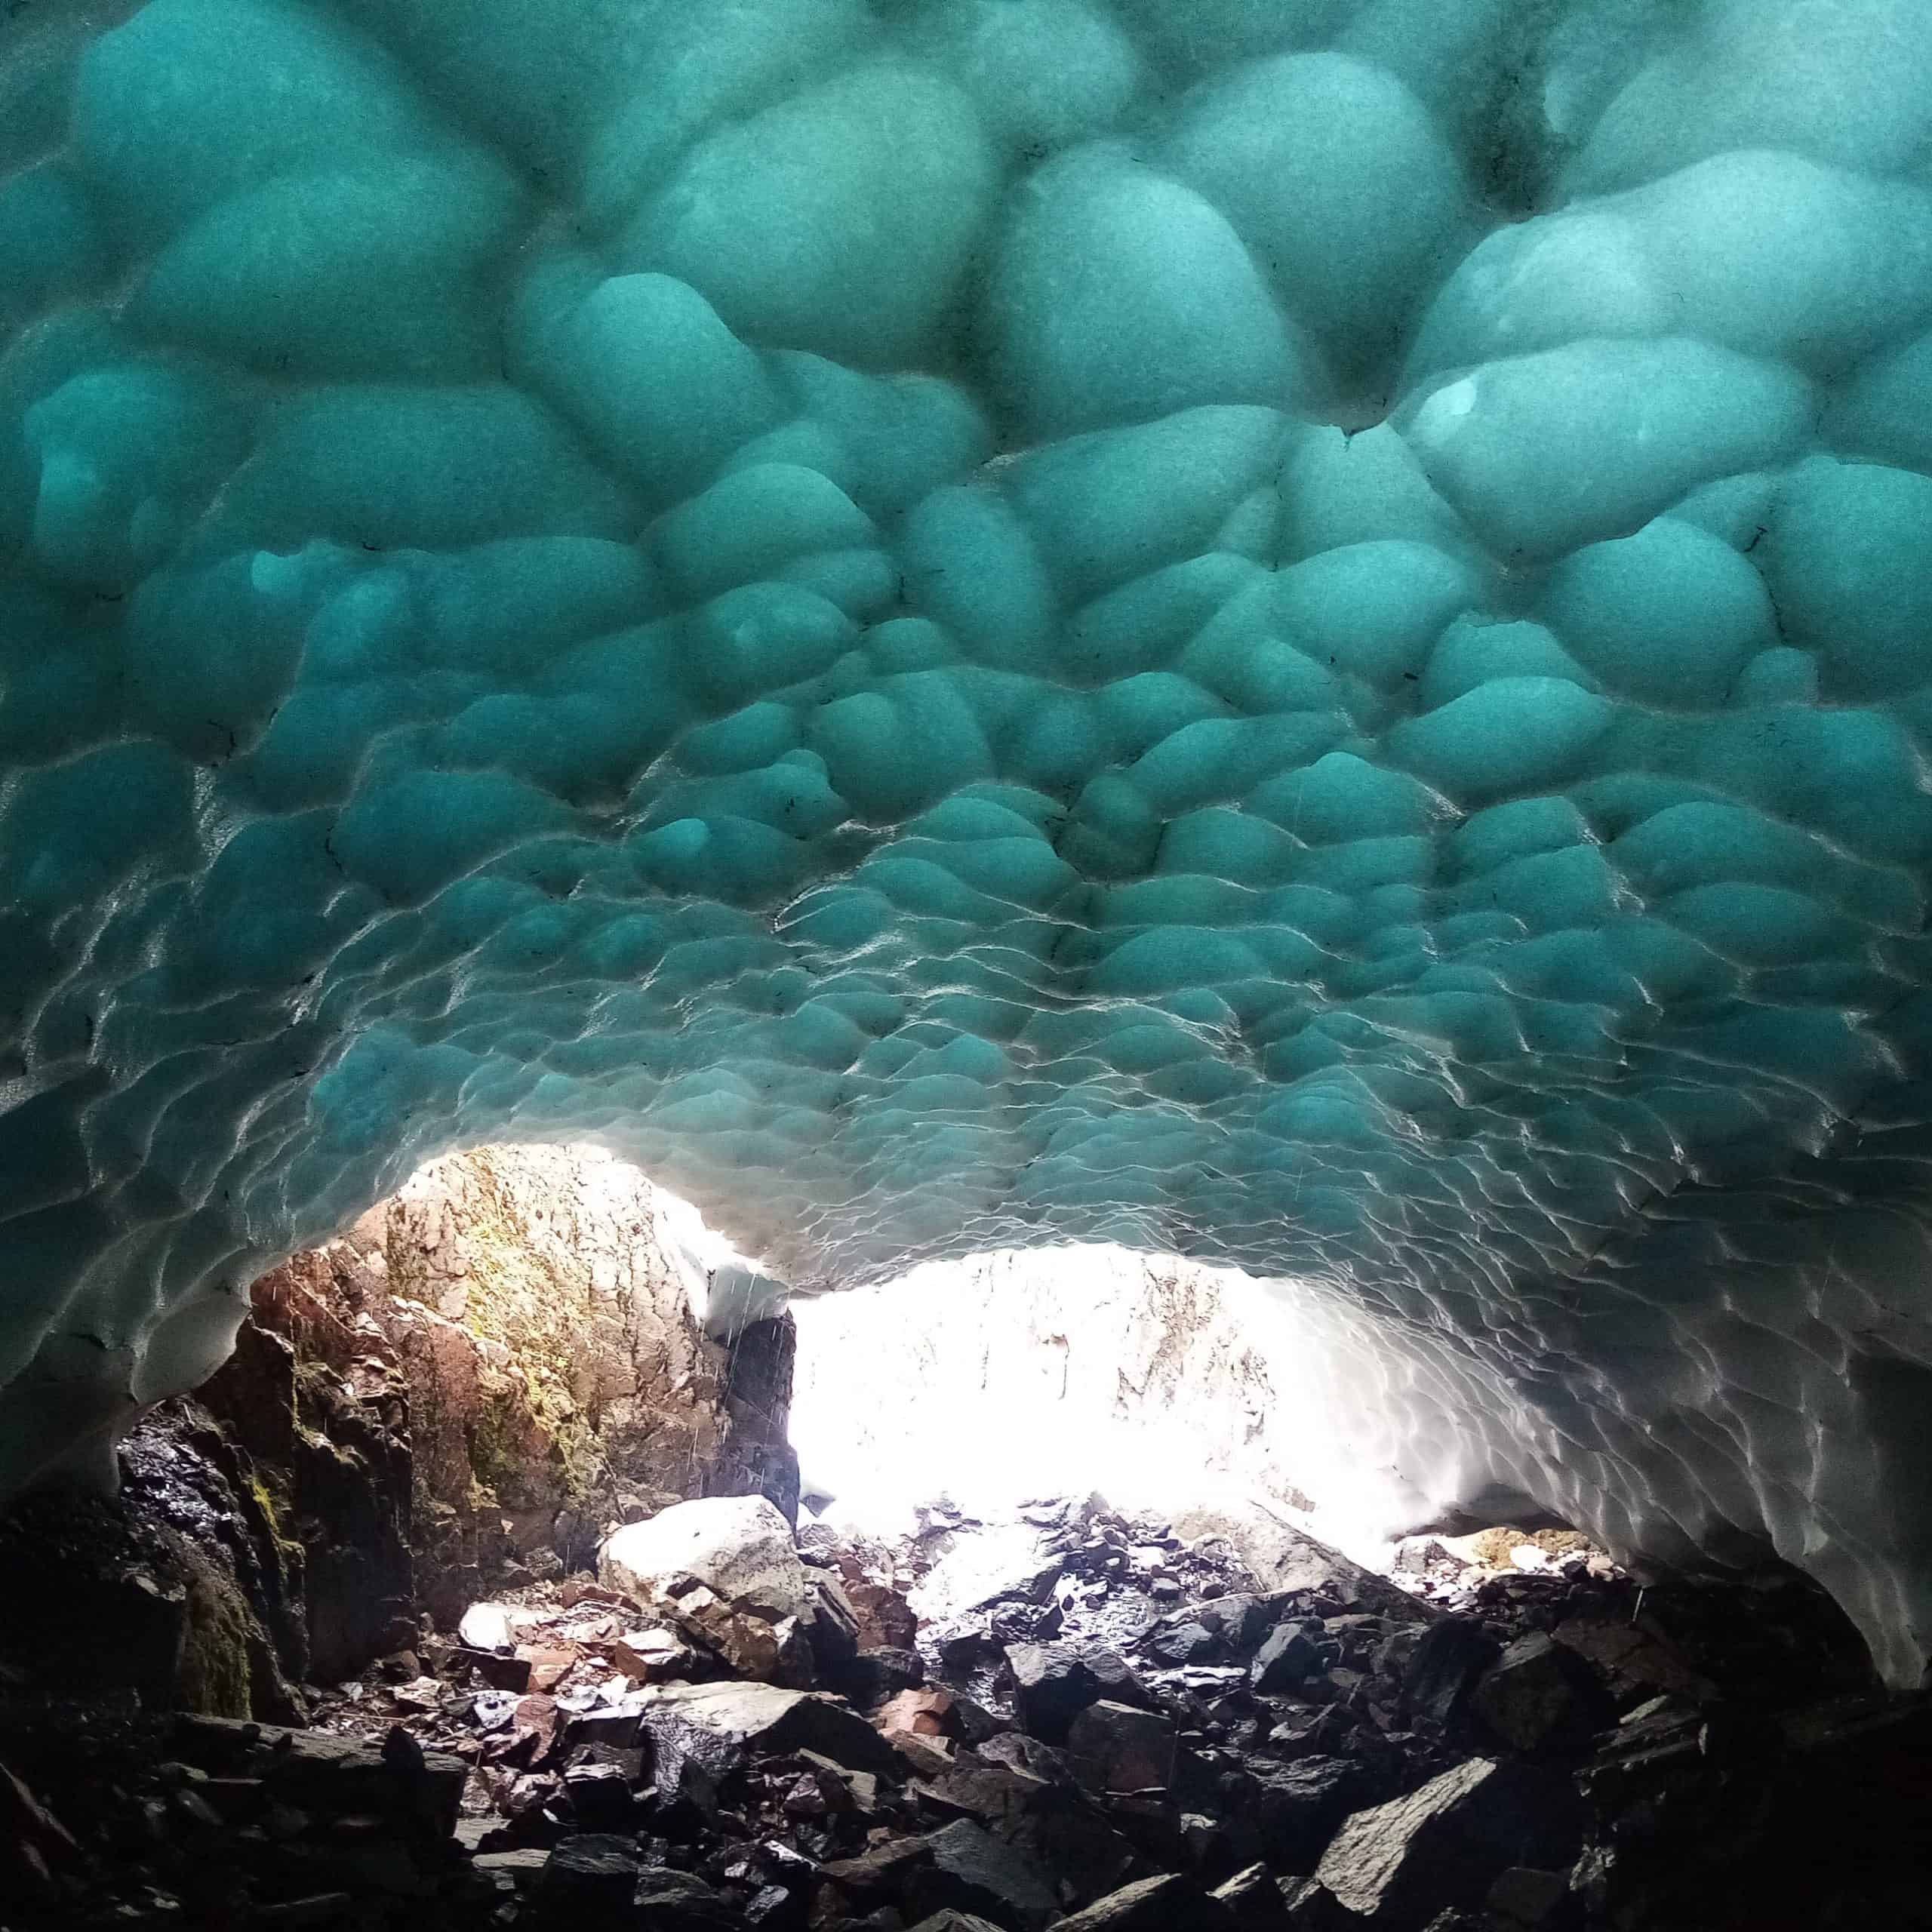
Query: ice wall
(1294,630)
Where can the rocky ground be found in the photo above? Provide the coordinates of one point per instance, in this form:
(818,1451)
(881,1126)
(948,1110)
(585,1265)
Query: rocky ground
(1112,1725)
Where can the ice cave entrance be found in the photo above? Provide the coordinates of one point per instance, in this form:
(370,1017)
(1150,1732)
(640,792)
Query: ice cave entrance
(985,1382)
(1161,1383)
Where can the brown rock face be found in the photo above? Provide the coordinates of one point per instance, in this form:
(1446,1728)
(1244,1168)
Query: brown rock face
(314,1396)
(483,1374)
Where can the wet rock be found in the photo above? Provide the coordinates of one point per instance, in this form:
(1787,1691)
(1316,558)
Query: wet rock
(874,1676)
(580,1589)
(1240,1619)
(1282,1559)
(651,1655)
(520,1867)
(499,1673)
(795,1664)
(997,1796)
(923,1712)
(977,1724)
(34,1846)
(884,1871)
(724,1569)
(772,1906)
(490,1626)
(1115,1677)
(886,1620)
(1119,1748)
(925,1757)
(1638,1660)
(833,1629)
(318,1909)
(966,1660)
(601,1799)
(971,1871)
(317,1771)
(535,1725)
(844,1788)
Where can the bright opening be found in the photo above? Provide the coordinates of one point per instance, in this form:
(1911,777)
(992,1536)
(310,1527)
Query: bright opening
(1053,1371)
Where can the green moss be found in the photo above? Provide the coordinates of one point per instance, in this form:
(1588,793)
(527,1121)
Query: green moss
(274,1506)
(518,1298)
(493,1458)
(214,1678)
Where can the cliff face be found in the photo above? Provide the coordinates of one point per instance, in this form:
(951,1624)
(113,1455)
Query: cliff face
(462,1393)
(519,1322)
(550,1332)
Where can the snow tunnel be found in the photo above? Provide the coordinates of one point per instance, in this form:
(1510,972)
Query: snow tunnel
(1297,632)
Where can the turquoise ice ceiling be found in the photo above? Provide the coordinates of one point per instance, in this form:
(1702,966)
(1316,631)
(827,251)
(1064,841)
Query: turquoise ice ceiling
(1294,630)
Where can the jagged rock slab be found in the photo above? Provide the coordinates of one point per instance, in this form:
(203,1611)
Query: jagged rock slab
(1167,1903)
(974,1872)
(1253,1898)
(1445,1843)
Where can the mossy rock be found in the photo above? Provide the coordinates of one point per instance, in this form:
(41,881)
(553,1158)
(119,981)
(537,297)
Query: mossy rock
(221,1641)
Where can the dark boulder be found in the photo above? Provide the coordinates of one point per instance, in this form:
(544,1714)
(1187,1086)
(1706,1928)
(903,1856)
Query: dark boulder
(1445,1844)
(1540,1698)
(589,1879)
(1288,1656)
(1528,1900)
(671,1901)
(1295,1807)
(1186,1641)
(1051,1686)
(1447,1659)
(950,1921)
(832,1630)
(878,1875)
(1117,1748)
(872,1677)
(972,1871)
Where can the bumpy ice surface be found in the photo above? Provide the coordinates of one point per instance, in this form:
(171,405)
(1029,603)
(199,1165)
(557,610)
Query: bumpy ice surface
(1295,630)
